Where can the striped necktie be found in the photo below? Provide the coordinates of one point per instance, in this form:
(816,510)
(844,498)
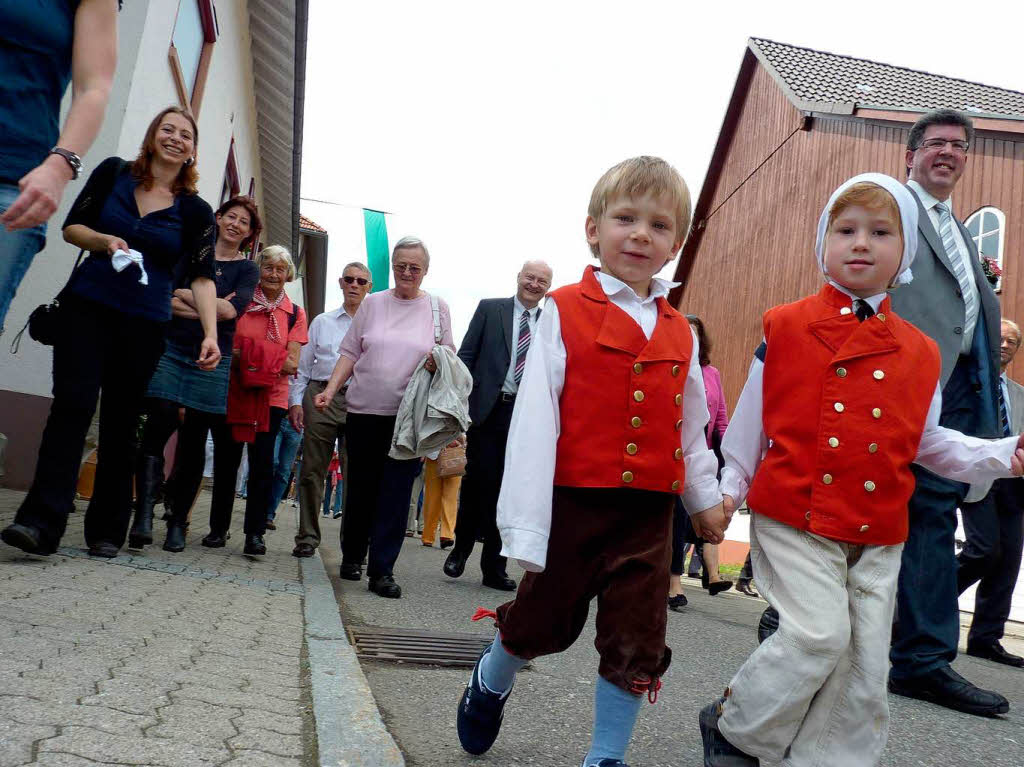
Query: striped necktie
(1003,417)
(960,267)
(523,346)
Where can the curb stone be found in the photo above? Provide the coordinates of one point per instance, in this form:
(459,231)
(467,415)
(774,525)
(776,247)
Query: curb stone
(349,729)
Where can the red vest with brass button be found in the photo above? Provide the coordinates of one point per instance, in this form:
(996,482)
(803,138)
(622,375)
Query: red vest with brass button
(845,404)
(622,402)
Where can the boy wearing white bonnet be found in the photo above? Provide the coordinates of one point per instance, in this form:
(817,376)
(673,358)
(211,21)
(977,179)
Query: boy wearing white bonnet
(842,396)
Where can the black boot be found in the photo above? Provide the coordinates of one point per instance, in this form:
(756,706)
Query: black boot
(177,528)
(147,479)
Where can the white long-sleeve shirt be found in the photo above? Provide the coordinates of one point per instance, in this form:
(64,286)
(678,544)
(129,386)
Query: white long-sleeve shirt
(318,357)
(943,451)
(524,503)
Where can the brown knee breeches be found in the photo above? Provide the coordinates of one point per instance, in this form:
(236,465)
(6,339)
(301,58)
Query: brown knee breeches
(614,544)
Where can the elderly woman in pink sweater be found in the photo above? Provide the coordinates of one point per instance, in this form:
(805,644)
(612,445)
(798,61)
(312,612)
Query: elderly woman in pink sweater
(389,336)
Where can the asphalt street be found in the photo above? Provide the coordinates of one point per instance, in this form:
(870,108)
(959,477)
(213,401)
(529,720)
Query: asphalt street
(548,719)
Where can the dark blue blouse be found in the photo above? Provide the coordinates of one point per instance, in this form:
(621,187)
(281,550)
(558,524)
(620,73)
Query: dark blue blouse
(175,239)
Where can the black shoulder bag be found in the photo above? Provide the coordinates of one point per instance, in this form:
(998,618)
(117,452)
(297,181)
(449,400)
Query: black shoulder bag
(46,322)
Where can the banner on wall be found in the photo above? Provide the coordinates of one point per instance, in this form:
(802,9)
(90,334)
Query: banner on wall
(377,250)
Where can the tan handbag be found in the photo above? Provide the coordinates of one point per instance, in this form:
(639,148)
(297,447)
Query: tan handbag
(451,461)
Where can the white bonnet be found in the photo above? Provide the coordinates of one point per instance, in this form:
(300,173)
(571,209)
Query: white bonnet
(908,206)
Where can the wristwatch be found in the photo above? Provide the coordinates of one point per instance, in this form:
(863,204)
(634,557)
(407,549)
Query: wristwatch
(73,160)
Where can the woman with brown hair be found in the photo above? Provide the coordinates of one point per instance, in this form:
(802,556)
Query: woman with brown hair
(180,383)
(141,222)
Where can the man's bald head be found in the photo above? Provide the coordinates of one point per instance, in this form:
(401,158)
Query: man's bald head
(534,283)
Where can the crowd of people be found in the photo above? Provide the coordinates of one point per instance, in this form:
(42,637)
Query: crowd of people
(872,411)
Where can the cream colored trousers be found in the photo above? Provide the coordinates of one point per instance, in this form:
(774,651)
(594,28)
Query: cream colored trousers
(814,693)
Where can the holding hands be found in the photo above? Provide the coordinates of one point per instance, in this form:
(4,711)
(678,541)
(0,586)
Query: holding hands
(1017,459)
(711,523)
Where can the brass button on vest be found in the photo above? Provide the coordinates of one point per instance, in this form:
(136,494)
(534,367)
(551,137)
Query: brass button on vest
(841,372)
(839,407)
(635,422)
(678,454)
(638,395)
(675,485)
(807,516)
(675,370)
(627,476)
(679,425)
(873,447)
(864,528)
(869,486)
(846,310)
(679,399)
(827,479)
(638,368)
(876,412)
(833,442)
(879,375)
(631,448)
(881,317)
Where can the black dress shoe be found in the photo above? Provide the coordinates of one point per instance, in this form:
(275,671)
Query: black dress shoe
(995,652)
(500,582)
(385,586)
(103,549)
(677,603)
(303,550)
(718,752)
(214,541)
(717,587)
(27,538)
(455,564)
(446,543)
(351,572)
(254,546)
(944,687)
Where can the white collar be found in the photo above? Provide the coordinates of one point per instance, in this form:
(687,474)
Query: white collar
(927,200)
(612,285)
(337,313)
(518,308)
(873,301)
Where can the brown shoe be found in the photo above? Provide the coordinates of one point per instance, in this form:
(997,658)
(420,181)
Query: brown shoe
(270,525)
(303,550)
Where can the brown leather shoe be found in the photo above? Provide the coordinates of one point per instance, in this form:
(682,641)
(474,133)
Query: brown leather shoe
(303,550)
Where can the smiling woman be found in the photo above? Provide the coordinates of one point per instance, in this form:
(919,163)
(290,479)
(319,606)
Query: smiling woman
(142,223)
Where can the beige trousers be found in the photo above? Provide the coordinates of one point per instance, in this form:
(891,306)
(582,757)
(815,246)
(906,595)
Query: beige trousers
(814,693)
(321,430)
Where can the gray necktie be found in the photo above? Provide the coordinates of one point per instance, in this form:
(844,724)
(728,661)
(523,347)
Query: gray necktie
(960,267)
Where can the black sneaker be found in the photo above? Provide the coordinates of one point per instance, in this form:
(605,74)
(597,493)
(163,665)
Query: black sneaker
(351,572)
(480,712)
(718,752)
(385,586)
(254,546)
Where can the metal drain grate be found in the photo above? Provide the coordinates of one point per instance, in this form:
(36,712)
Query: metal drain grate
(417,646)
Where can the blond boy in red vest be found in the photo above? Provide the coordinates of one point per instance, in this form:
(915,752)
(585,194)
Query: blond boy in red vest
(842,396)
(607,430)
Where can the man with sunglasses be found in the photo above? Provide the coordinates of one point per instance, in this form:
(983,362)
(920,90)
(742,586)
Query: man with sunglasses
(322,428)
(951,301)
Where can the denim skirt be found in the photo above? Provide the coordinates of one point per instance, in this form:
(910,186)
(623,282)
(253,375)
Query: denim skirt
(179,379)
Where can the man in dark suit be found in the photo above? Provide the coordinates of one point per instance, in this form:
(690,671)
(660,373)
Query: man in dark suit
(951,301)
(995,530)
(494,350)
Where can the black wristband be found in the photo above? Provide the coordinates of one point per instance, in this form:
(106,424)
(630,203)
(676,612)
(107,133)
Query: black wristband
(72,160)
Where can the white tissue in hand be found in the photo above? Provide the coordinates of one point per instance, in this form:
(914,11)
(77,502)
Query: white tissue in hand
(123,258)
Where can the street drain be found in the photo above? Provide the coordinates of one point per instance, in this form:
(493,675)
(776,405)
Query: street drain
(417,646)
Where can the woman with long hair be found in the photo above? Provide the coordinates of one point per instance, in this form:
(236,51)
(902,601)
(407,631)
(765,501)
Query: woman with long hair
(142,223)
(180,383)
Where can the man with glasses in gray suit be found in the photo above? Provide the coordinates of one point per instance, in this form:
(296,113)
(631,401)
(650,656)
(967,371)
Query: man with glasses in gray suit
(951,301)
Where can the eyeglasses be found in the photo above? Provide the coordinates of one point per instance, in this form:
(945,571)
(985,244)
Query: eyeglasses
(349,279)
(939,143)
(410,268)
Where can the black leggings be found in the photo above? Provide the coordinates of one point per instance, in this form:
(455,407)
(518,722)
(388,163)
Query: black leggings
(161,423)
(190,457)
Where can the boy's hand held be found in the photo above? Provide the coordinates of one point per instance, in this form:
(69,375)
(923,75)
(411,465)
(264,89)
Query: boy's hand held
(711,523)
(729,505)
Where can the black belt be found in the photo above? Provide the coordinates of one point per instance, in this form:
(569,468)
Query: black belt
(506,397)
(343,389)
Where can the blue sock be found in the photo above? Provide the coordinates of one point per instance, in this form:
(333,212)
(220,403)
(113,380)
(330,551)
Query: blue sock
(499,667)
(615,712)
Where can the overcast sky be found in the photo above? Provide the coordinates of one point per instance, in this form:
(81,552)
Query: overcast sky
(482,127)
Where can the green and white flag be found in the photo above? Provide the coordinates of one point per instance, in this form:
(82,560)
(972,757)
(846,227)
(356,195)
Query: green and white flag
(377,251)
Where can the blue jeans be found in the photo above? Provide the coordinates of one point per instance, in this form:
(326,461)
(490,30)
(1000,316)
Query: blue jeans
(337,493)
(17,249)
(285,448)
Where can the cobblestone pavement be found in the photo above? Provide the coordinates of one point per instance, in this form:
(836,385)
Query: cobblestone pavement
(156,658)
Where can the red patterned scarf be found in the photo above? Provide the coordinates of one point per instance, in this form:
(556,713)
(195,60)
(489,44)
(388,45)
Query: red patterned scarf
(260,303)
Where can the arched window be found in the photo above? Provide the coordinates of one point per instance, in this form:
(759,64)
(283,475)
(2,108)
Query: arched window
(987,227)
